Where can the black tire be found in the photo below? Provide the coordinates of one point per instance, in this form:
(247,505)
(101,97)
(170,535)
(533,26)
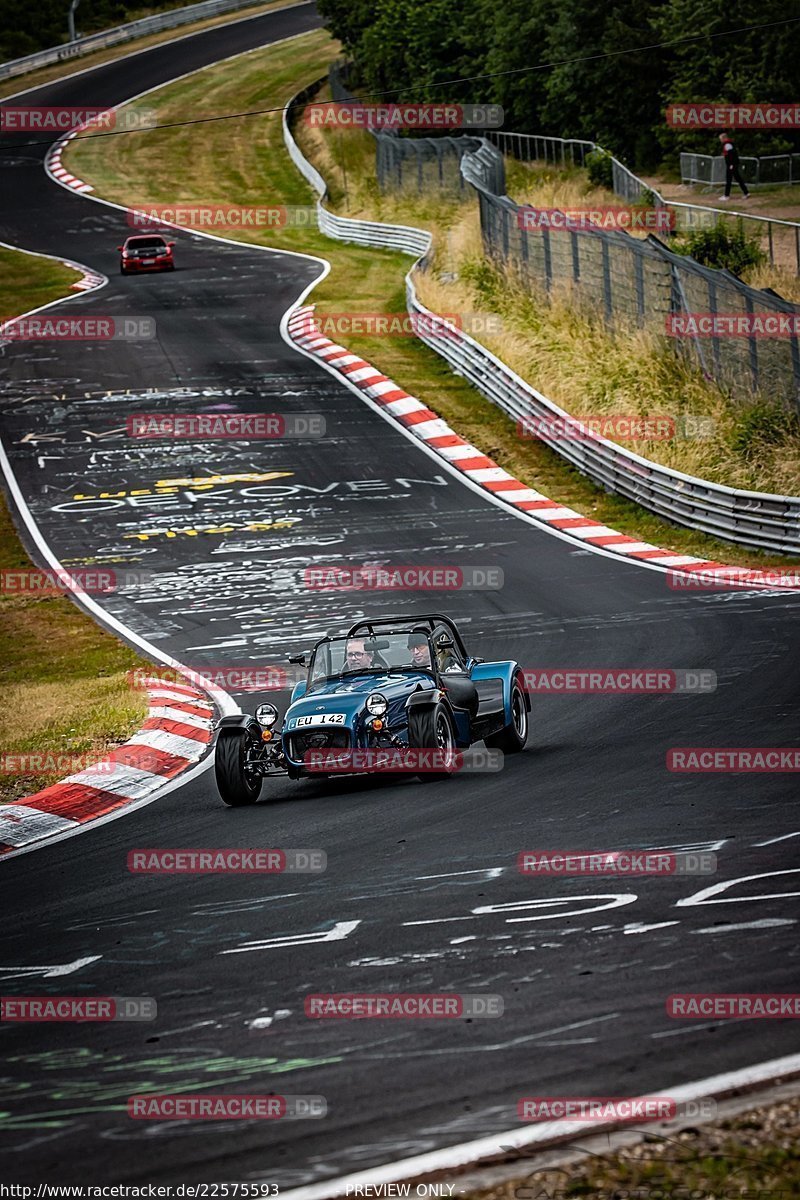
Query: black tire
(432,729)
(513,737)
(122,270)
(236,786)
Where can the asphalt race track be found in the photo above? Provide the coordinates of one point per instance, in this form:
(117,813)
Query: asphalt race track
(421,893)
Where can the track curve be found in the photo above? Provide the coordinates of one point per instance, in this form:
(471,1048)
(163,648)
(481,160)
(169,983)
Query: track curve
(408,863)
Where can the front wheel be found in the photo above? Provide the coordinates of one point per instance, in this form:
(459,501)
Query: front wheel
(431,729)
(236,784)
(513,737)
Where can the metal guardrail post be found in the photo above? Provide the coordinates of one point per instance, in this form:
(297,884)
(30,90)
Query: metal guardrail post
(548,262)
(608,300)
(751,345)
(576,257)
(639,273)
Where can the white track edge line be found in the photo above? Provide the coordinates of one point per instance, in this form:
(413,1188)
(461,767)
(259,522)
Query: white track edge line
(465,1154)
(146,49)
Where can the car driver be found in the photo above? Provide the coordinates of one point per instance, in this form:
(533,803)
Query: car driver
(420,654)
(358,658)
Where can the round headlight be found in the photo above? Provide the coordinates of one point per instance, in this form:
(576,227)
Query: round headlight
(266,714)
(377,704)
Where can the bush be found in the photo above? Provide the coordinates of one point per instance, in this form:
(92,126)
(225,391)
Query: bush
(600,168)
(721,246)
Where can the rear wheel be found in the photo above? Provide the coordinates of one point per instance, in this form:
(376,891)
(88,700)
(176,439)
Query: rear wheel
(237,785)
(513,737)
(431,729)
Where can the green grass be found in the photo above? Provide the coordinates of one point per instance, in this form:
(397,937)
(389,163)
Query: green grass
(28,282)
(755,1154)
(243,161)
(63,678)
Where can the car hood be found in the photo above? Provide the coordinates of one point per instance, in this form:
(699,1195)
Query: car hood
(348,694)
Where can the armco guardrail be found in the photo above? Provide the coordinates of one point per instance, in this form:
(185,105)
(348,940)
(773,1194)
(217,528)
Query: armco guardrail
(120,34)
(404,238)
(756,519)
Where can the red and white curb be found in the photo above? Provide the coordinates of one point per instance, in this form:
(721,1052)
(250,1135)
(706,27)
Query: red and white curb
(175,735)
(437,435)
(54,165)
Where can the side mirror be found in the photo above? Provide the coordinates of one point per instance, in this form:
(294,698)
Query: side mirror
(170,244)
(120,247)
(298,659)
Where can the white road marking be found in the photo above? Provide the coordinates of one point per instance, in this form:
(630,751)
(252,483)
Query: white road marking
(440,920)
(489,872)
(49,972)
(340,931)
(637,926)
(608,900)
(782,838)
(710,895)
(766,923)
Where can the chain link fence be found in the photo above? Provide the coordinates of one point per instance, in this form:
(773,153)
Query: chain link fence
(633,282)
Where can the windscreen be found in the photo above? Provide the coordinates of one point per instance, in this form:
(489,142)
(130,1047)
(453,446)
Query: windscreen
(365,655)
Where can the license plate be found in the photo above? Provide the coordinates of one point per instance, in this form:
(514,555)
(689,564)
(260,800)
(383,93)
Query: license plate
(148,262)
(318,719)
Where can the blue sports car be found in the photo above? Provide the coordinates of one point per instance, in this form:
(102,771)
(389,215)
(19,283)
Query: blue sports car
(390,688)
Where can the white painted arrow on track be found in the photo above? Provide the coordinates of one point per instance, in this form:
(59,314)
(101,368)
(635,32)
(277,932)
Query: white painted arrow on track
(48,972)
(340,931)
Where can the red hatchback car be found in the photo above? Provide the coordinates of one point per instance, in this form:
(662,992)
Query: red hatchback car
(146,252)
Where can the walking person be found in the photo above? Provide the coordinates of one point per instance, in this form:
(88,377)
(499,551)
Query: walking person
(731,156)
